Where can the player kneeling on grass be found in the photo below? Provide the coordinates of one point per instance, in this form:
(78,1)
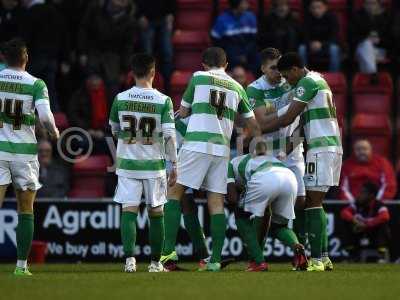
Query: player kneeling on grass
(143,120)
(20,95)
(266,181)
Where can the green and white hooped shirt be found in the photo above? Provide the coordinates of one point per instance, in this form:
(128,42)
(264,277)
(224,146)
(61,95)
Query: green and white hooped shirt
(141,114)
(214,99)
(20,93)
(319,117)
(262,93)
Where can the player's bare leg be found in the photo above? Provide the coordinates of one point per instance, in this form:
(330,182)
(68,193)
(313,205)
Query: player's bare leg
(128,235)
(25,229)
(193,227)
(217,229)
(316,224)
(156,237)
(3,190)
(172,212)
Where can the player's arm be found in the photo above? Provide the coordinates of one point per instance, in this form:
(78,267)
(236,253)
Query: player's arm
(42,105)
(187,100)
(247,113)
(169,133)
(114,119)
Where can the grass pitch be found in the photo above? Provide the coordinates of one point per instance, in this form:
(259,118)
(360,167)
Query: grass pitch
(106,281)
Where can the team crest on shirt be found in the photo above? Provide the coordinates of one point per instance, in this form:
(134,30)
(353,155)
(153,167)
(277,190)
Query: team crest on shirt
(286,87)
(300,91)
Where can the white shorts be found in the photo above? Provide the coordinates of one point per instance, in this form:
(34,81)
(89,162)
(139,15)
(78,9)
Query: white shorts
(130,191)
(199,170)
(298,170)
(322,171)
(23,175)
(277,187)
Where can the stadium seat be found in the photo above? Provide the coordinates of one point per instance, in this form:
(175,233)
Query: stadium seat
(357,4)
(186,39)
(376,128)
(362,84)
(193,14)
(188,60)
(372,103)
(179,81)
(88,177)
(224,4)
(61,121)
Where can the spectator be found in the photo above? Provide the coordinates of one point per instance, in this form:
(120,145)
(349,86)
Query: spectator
(235,31)
(88,109)
(10,16)
(239,73)
(106,40)
(44,31)
(280,28)
(320,35)
(53,175)
(364,166)
(371,34)
(156,25)
(366,223)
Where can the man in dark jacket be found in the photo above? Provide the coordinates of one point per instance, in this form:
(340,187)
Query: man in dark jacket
(367,224)
(44,30)
(280,28)
(371,32)
(156,27)
(320,35)
(106,40)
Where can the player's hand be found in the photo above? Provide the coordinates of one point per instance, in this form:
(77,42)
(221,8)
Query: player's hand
(143,22)
(172,177)
(315,46)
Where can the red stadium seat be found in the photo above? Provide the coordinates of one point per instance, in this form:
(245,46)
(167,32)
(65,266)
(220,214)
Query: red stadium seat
(194,14)
(88,176)
(179,81)
(188,60)
(362,84)
(185,39)
(372,103)
(376,128)
(61,121)
(357,4)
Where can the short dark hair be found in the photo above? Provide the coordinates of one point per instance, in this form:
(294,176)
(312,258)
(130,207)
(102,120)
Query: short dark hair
(214,57)
(14,52)
(142,64)
(290,60)
(269,54)
(371,188)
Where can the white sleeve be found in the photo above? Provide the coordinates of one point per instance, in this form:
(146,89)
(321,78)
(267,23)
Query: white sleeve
(46,117)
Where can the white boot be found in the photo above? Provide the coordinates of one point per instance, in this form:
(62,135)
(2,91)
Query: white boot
(130,265)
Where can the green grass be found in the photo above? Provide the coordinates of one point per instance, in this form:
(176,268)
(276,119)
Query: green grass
(106,281)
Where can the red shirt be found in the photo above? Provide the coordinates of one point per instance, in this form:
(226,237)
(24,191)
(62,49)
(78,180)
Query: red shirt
(377,170)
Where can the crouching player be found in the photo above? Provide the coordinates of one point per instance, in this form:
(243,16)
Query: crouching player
(143,120)
(267,182)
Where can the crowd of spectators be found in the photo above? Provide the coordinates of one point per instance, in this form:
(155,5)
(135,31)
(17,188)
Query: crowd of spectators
(81,49)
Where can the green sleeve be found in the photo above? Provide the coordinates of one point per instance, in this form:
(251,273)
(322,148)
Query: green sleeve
(188,95)
(40,91)
(256,97)
(231,174)
(244,105)
(305,90)
(167,115)
(114,111)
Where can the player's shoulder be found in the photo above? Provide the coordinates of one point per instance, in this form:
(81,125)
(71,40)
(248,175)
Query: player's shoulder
(258,84)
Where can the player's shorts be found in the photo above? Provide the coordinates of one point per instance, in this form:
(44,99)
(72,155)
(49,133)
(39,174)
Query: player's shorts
(23,175)
(200,170)
(129,191)
(298,168)
(277,187)
(322,171)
